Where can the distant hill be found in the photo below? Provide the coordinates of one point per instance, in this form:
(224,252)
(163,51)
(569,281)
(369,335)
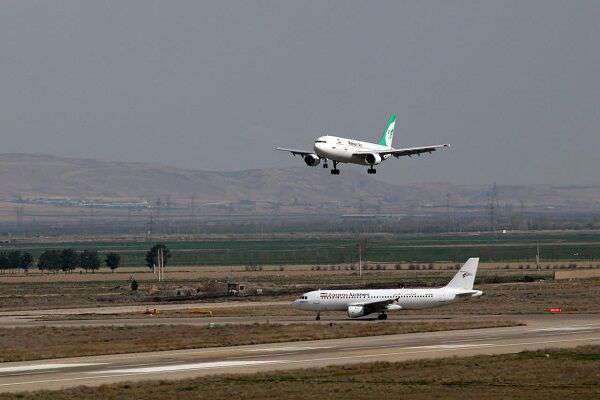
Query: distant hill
(44,175)
(38,175)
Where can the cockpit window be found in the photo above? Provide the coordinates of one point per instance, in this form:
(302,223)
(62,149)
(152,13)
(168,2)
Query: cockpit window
(320,141)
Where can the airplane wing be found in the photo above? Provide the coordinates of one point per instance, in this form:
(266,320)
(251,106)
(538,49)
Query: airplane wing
(376,306)
(294,151)
(409,151)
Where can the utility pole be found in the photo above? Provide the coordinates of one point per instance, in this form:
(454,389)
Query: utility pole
(359,260)
(362,245)
(537,257)
(159,267)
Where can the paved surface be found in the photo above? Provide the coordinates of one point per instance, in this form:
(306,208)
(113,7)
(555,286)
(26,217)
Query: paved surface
(541,332)
(201,320)
(138,308)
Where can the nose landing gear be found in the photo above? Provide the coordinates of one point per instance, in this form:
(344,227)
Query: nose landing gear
(371,170)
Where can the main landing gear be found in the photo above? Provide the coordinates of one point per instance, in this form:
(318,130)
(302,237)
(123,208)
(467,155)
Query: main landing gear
(382,316)
(371,170)
(318,317)
(335,171)
(325,163)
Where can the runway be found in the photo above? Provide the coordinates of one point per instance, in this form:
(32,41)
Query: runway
(541,332)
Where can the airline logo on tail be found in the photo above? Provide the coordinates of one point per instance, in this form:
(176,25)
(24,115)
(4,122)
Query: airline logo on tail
(388,135)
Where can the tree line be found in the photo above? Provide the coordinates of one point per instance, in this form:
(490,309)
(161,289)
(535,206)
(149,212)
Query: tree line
(65,260)
(68,260)
(15,259)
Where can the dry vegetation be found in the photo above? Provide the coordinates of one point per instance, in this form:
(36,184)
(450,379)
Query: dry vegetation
(580,296)
(544,375)
(19,344)
(204,284)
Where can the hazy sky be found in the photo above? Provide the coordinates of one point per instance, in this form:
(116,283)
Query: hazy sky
(514,86)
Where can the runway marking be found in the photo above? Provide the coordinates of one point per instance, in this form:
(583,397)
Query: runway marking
(184,367)
(290,348)
(567,328)
(457,346)
(39,367)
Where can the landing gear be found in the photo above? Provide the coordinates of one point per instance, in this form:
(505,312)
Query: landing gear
(325,163)
(371,170)
(335,171)
(318,317)
(382,316)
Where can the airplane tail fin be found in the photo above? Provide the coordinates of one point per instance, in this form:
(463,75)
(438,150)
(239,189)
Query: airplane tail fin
(465,277)
(387,137)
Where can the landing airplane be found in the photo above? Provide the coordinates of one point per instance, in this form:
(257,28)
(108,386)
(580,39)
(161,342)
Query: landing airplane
(358,303)
(342,150)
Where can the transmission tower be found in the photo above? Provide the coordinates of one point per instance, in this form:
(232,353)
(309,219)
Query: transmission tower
(20,212)
(448,216)
(493,207)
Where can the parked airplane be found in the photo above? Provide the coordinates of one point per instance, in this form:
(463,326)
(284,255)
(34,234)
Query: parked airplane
(342,150)
(358,303)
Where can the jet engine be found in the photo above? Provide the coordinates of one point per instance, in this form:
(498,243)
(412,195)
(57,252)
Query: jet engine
(356,311)
(373,158)
(312,160)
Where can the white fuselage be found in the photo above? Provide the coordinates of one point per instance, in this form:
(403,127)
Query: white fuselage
(341,149)
(400,299)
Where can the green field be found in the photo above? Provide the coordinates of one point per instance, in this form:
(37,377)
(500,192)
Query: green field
(327,250)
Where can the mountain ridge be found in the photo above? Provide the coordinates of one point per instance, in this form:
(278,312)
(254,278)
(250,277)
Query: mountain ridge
(41,175)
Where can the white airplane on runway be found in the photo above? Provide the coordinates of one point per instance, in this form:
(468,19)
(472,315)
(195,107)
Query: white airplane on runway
(358,303)
(342,150)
